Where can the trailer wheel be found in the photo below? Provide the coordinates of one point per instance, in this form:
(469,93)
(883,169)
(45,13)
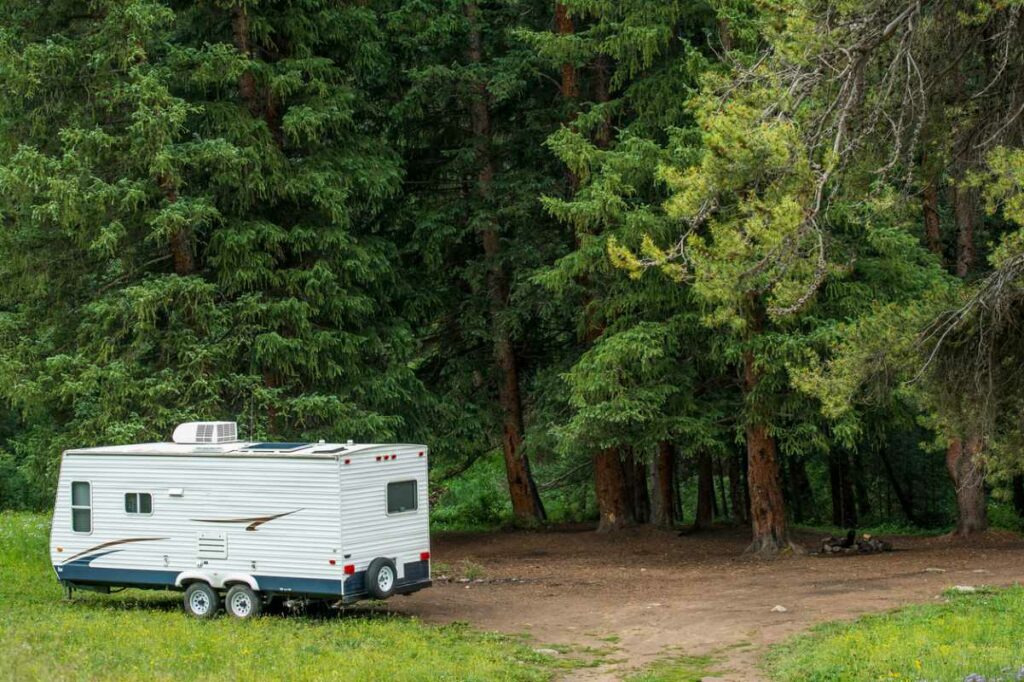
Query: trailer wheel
(201,601)
(381,577)
(242,602)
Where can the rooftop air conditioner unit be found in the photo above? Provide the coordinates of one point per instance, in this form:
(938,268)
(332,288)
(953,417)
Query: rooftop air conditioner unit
(194,433)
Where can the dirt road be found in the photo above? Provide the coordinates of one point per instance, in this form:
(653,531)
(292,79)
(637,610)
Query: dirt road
(654,593)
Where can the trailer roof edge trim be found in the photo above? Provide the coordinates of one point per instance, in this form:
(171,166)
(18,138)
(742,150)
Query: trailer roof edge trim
(246,449)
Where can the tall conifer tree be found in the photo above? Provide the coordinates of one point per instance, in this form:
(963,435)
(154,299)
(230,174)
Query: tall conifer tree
(191,192)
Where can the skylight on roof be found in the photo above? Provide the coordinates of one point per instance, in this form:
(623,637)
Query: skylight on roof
(277,447)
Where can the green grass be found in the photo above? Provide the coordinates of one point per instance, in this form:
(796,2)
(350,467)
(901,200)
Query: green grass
(674,669)
(145,635)
(966,634)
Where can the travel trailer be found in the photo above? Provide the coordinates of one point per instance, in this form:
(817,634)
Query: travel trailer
(243,524)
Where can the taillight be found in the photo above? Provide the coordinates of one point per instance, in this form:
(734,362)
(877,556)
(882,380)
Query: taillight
(350,569)
(424,556)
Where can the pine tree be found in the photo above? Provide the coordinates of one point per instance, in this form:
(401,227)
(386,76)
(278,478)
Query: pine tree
(473,118)
(192,193)
(622,65)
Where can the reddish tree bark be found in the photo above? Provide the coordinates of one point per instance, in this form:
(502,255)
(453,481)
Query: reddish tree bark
(663,501)
(240,35)
(569,89)
(965,209)
(966,468)
(612,502)
(180,242)
(767,508)
(564,26)
(526,503)
(602,74)
(964,454)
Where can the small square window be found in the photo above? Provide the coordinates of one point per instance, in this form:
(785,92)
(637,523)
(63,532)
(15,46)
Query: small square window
(401,497)
(138,503)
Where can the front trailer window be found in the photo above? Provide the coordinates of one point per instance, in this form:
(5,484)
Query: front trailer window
(81,506)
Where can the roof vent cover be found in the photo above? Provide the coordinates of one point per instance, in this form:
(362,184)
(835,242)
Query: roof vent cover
(195,433)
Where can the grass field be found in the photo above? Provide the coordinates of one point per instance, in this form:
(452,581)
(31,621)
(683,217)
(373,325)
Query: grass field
(969,634)
(145,635)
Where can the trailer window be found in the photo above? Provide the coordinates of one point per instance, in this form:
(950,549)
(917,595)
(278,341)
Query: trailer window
(401,497)
(81,507)
(138,503)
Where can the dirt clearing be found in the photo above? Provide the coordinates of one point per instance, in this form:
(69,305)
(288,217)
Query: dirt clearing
(651,593)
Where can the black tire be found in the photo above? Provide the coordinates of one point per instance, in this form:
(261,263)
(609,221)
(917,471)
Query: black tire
(381,578)
(242,602)
(201,601)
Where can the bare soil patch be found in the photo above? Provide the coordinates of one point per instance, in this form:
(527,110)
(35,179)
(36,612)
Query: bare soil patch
(654,593)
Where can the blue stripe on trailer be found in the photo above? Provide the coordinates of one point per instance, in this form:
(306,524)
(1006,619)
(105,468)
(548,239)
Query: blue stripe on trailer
(313,586)
(80,571)
(129,577)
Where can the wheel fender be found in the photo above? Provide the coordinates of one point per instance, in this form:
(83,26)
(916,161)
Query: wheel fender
(216,580)
(233,578)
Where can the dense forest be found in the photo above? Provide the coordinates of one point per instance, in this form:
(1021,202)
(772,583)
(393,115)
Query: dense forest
(634,261)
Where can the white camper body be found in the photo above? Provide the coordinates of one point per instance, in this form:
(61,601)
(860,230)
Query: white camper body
(312,520)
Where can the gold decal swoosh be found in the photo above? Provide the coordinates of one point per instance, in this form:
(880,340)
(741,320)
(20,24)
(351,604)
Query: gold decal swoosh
(253,521)
(109,544)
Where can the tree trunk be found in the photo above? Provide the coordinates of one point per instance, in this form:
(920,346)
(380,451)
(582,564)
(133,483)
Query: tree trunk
(564,26)
(180,243)
(636,484)
(720,474)
(844,510)
(240,35)
(964,205)
(725,33)
(966,468)
(767,508)
(612,503)
(738,489)
(663,501)
(932,232)
(526,503)
(705,492)
(963,456)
